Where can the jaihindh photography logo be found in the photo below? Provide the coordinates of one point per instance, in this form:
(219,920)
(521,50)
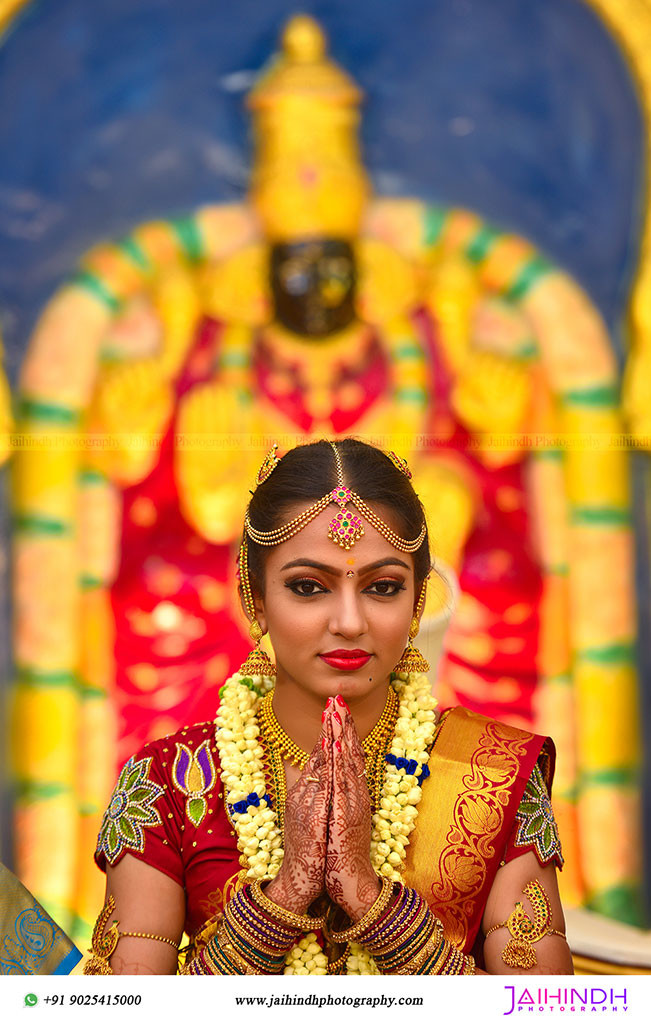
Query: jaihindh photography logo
(588,999)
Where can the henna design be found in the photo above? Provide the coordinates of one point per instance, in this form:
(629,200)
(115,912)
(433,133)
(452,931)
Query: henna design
(349,876)
(301,877)
(121,966)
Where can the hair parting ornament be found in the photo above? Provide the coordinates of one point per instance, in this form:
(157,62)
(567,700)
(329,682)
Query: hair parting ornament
(345,527)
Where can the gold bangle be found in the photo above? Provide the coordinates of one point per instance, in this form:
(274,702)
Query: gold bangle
(404,940)
(260,936)
(147,935)
(429,947)
(469,967)
(334,967)
(300,922)
(371,915)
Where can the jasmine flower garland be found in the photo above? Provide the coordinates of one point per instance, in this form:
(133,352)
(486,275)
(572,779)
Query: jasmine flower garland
(259,837)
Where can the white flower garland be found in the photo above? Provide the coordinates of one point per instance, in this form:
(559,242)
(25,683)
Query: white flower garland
(259,837)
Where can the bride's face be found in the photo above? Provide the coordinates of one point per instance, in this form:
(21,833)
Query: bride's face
(338,620)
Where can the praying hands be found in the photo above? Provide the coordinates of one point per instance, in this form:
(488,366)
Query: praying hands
(328,824)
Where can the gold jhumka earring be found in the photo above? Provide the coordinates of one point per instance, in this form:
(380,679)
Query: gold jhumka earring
(258,662)
(411,659)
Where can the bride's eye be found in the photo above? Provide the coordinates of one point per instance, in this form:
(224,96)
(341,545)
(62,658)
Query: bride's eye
(305,587)
(385,588)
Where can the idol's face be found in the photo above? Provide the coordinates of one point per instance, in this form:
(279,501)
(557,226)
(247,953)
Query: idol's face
(313,286)
(338,620)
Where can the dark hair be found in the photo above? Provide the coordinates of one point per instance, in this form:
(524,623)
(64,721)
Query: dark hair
(307,472)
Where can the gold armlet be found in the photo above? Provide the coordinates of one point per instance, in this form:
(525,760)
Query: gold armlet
(519,950)
(103,945)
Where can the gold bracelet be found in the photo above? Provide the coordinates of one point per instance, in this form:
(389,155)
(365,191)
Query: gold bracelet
(371,915)
(146,935)
(301,922)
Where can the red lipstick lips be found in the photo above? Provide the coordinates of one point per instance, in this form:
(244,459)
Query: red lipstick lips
(346,661)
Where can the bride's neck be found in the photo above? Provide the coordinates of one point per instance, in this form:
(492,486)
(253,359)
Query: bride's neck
(299,712)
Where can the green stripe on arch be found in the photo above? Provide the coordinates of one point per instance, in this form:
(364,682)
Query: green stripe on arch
(188,234)
(417,396)
(433,221)
(562,678)
(88,691)
(479,246)
(42,526)
(557,569)
(602,396)
(548,453)
(409,350)
(29,790)
(47,412)
(88,582)
(586,515)
(611,777)
(528,277)
(234,359)
(609,654)
(92,477)
(131,248)
(36,677)
(91,283)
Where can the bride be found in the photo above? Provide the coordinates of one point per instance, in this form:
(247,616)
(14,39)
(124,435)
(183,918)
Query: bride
(332,820)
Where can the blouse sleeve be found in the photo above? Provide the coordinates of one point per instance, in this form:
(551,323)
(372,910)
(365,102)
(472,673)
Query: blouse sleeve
(534,827)
(142,818)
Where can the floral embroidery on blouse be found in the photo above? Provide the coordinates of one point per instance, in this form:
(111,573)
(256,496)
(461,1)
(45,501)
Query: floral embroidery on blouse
(194,775)
(535,819)
(130,811)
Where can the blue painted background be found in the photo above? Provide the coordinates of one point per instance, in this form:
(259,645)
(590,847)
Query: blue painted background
(119,110)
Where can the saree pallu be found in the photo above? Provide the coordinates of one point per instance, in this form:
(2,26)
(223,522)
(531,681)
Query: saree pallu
(30,941)
(478,772)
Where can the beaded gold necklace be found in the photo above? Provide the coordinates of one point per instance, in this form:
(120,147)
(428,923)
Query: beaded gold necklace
(280,747)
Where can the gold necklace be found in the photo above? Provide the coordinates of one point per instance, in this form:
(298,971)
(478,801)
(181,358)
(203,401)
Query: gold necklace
(291,751)
(281,747)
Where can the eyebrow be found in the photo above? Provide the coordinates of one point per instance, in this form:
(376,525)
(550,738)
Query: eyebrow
(309,563)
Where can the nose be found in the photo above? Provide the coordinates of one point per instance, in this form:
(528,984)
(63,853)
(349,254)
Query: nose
(348,617)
